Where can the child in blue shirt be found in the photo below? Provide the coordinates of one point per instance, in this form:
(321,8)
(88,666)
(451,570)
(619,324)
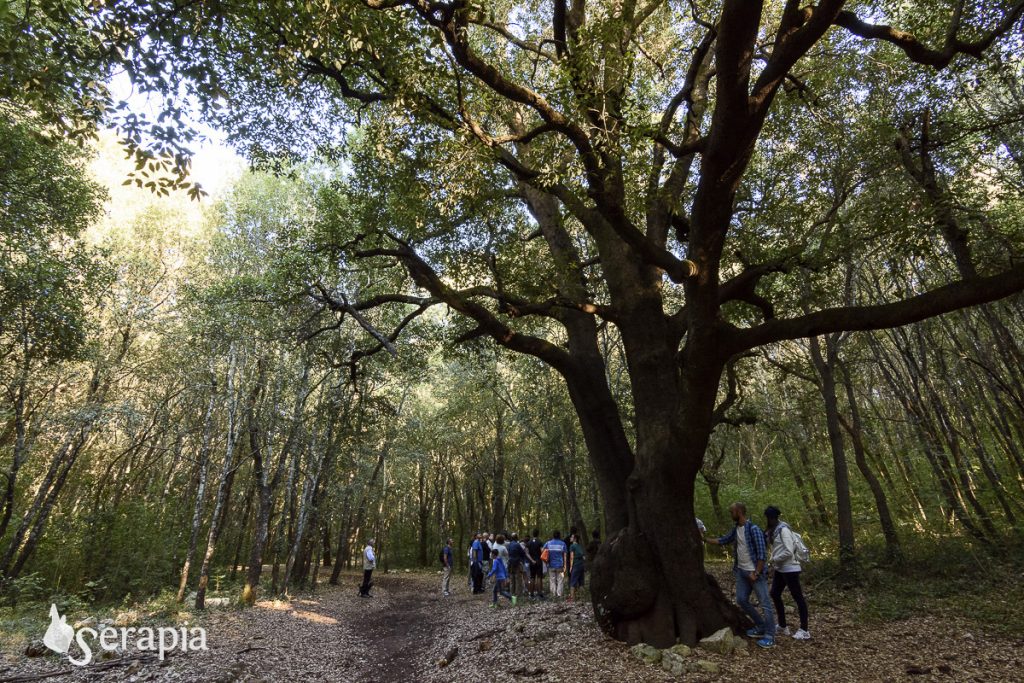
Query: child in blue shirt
(500,574)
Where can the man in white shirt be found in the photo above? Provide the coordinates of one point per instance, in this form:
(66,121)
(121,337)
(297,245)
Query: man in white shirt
(369,564)
(749,567)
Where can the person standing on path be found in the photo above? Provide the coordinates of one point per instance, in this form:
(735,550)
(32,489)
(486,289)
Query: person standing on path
(576,566)
(447,560)
(476,566)
(783,558)
(749,564)
(502,548)
(369,564)
(533,550)
(485,562)
(516,564)
(556,550)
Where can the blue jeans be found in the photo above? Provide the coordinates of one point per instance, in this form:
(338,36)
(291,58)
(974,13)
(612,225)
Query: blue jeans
(744,587)
(499,589)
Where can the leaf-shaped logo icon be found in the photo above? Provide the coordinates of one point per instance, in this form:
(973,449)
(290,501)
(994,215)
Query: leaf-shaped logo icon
(59,635)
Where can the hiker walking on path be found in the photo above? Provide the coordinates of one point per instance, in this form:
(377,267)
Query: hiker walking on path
(749,562)
(447,561)
(555,550)
(369,564)
(500,575)
(784,557)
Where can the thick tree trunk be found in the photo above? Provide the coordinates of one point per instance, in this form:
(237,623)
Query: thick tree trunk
(648,581)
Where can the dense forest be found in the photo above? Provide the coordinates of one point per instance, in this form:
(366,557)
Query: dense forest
(497,266)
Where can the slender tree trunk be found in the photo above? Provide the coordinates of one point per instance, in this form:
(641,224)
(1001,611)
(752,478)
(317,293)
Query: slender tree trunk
(197,509)
(824,518)
(242,526)
(422,514)
(498,483)
(20,451)
(223,485)
(825,365)
(813,512)
(854,428)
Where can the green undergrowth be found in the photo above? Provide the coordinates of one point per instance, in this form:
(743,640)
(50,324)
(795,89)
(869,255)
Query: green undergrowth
(980,586)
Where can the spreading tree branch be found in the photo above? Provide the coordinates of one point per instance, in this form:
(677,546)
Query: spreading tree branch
(945,299)
(922,54)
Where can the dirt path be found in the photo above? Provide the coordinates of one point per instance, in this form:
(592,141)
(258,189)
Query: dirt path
(407,627)
(396,631)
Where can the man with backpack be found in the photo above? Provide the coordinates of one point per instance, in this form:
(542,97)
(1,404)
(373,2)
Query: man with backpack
(749,564)
(786,556)
(447,560)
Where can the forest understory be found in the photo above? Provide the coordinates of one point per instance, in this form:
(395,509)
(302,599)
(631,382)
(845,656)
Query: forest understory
(408,628)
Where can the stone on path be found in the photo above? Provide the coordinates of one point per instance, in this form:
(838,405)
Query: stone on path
(673,663)
(647,654)
(707,666)
(721,642)
(681,650)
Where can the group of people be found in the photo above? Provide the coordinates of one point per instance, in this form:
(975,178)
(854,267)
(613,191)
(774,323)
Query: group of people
(777,549)
(516,568)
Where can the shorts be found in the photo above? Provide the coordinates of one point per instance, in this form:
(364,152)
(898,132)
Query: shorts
(536,570)
(576,576)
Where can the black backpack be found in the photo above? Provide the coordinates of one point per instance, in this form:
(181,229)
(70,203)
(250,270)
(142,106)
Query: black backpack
(442,558)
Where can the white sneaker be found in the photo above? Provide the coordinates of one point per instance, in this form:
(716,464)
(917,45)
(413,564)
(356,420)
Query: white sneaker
(801,635)
(784,631)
